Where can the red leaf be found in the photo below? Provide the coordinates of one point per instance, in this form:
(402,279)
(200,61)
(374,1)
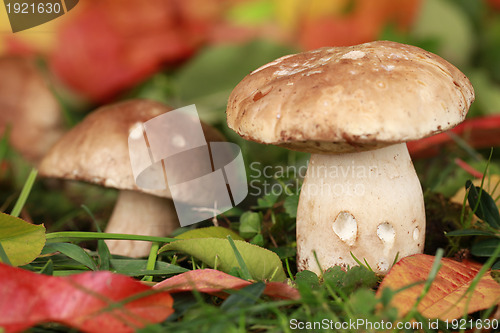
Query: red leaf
(480,132)
(445,299)
(216,282)
(89,302)
(109,45)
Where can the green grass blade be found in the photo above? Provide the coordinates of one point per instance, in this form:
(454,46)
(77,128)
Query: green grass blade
(243,297)
(427,286)
(102,247)
(104,255)
(244,269)
(67,236)
(469,232)
(74,252)
(465,146)
(4,144)
(24,193)
(3,256)
(487,265)
(48,268)
(153,254)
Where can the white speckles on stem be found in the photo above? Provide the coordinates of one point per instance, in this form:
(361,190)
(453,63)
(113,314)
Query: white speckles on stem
(416,234)
(346,227)
(386,233)
(383,265)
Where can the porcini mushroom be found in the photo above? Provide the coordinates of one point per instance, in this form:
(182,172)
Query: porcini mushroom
(96,150)
(28,105)
(354,108)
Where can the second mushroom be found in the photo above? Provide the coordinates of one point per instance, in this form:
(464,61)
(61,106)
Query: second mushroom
(96,150)
(354,108)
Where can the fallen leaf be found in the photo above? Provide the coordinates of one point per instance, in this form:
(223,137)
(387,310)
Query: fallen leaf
(22,241)
(261,263)
(215,282)
(90,302)
(132,40)
(445,299)
(209,232)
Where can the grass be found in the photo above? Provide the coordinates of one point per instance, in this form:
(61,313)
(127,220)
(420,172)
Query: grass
(337,300)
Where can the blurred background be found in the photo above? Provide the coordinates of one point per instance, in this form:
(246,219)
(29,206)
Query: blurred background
(183,52)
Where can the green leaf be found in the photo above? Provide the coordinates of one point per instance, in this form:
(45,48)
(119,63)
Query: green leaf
(496,265)
(22,241)
(456,37)
(74,252)
(291,203)
(250,224)
(262,263)
(469,232)
(486,208)
(284,251)
(364,301)
(307,278)
(258,240)
(307,284)
(268,200)
(387,296)
(209,232)
(137,267)
(350,280)
(485,248)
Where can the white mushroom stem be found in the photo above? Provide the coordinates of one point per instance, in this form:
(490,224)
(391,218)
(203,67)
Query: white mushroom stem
(140,214)
(368,203)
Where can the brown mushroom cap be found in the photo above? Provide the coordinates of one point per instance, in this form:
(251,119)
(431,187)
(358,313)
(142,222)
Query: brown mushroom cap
(96,150)
(29,107)
(344,99)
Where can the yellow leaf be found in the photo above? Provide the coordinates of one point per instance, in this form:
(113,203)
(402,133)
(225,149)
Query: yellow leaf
(490,183)
(448,297)
(21,241)
(292,12)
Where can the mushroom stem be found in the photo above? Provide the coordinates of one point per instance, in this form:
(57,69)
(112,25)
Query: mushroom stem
(369,203)
(140,214)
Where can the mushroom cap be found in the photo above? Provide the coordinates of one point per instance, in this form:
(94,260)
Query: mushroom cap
(344,99)
(29,107)
(96,150)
